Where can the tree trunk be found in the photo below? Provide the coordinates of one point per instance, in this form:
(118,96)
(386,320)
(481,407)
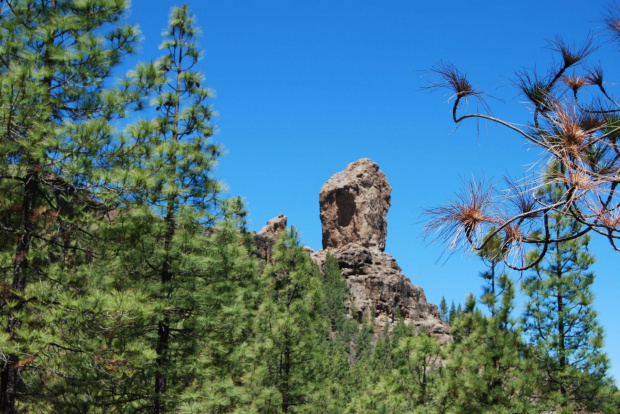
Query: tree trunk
(163,329)
(562,346)
(8,386)
(163,339)
(286,373)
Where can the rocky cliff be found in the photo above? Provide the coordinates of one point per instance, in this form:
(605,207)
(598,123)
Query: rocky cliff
(353,209)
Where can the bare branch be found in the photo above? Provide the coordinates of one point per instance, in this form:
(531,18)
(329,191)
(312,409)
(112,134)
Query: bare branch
(580,144)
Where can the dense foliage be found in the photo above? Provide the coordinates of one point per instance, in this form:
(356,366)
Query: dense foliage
(129,283)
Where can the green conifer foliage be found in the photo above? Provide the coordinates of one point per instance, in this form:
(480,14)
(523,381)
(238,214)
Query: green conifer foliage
(336,293)
(443,310)
(419,372)
(453,313)
(227,312)
(289,329)
(168,249)
(560,320)
(55,58)
(401,329)
(485,372)
(381,359)
(492,255)
(403,375)
(337,388)
(336,354)
(363,338)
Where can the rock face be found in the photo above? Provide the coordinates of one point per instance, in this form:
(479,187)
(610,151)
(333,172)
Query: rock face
(274,226)
(266,238)
(354,205)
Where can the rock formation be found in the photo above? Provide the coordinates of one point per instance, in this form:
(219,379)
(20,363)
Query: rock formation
(354,205)
(266,238)
(273,227)
(353,208)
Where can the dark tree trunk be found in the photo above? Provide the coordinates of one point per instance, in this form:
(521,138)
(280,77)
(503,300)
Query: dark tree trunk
(163,339)
(8,386)
(9,374)
(286,374)
(562,346)
(163,329)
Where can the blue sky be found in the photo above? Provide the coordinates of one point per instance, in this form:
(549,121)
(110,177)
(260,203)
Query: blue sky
(305,87)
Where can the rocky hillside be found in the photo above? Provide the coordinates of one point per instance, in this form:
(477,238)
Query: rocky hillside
(353,208)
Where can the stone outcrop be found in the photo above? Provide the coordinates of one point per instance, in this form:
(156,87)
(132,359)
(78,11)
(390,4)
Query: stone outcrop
(274,227)
(266,238)
(354,205)
(375,282)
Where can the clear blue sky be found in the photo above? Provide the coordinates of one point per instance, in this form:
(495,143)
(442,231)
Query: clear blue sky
(306,87)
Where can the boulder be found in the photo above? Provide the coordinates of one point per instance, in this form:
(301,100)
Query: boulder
(354,205)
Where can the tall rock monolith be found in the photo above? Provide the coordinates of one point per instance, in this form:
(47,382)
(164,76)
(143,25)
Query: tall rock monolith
(353,210)
(354,205)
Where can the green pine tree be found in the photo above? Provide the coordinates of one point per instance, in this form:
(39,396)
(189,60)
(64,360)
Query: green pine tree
(337,348)
(290,331)
(336,294)
(401,329)
(55,64)
(338,386)
(364,338)
(492,255)
(381,359)
(419,372)
(169,245)
(230,295)
(459,311)
(560,320)
(485,371)
(452,313)
(443,310)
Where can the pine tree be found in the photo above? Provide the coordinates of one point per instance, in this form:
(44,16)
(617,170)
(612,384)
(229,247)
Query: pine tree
(452,314)
(338,385)
(336,293)
(373,388)
(55,62)
(560,320)
(492,255)
(168,248)
(289,331)
(363,338)
(381,359)
(485,371)
(443,310)
(337,349)
(186,188)
(401,329)
(419,371)
(402,375)
(230,295)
